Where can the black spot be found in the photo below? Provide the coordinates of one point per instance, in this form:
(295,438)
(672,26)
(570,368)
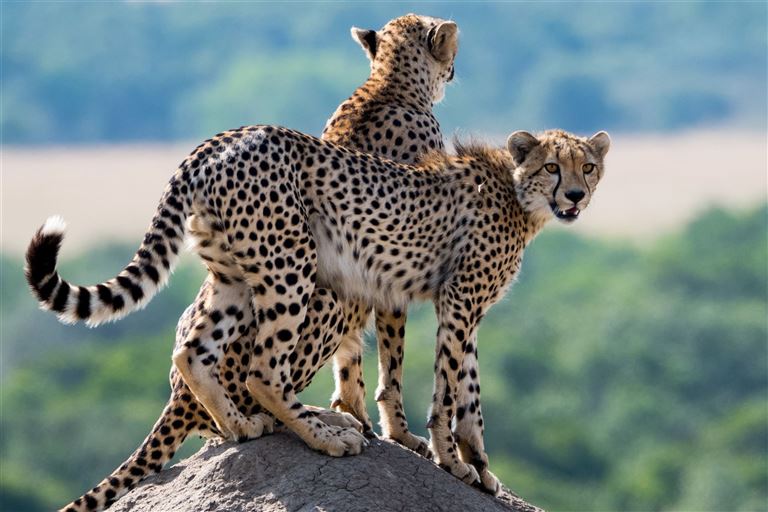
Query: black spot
(62,294)
(45,291)
(84,303)
(105,294)
(118,302)
(91,502)
(135,290)
(152,273)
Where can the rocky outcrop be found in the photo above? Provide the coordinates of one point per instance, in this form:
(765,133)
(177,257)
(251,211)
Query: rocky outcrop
(279,473)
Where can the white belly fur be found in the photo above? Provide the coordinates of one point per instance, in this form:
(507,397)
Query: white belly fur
(350,278)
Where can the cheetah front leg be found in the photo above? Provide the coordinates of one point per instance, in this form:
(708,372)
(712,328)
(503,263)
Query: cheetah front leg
(219,319)
(349,395)
(456,328)
(390,337)
(468,428)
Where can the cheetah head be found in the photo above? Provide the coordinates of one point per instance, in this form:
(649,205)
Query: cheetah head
(417,51)
(557,172)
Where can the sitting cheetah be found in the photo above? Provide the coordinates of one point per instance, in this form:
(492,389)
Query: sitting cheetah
(275,212)
(411,60)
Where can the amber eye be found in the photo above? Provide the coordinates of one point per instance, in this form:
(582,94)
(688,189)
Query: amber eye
(588,168)
(552,168)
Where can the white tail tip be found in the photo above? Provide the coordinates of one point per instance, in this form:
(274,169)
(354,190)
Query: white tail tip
(54,226)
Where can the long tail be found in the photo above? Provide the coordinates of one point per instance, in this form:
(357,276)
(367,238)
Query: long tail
(157,449)
(132,288)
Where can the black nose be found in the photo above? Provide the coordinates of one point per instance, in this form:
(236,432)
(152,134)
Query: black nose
(575,195)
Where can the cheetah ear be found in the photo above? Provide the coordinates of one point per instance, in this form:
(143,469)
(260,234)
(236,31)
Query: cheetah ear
(443,41)
(601,142)
(520,144)
(367,39)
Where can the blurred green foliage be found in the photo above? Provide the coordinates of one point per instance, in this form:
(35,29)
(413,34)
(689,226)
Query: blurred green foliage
(614,377)
(78,72)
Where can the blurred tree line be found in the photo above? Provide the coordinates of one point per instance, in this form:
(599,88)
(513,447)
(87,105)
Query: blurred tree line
(614,376)
(83,72)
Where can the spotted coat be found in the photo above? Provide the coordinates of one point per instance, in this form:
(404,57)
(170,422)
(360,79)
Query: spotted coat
(278,213)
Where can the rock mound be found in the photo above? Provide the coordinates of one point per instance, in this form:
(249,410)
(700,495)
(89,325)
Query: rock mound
(279,473)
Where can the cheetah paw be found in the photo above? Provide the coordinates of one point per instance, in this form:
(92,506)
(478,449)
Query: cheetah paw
(252,427)
(358,412)
(463,471)
(337,419)
(339,441)
(413,442)
(489,483)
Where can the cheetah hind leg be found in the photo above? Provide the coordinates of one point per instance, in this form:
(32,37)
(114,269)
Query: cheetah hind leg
(390,333)
(220,318)
(207,427)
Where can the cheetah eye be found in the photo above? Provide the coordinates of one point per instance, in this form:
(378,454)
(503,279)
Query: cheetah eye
(588,168)
(552,168)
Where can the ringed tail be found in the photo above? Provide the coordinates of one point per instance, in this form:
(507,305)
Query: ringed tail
(132,288)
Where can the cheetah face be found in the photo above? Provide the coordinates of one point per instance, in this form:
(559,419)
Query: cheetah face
(557,172)
(419,51)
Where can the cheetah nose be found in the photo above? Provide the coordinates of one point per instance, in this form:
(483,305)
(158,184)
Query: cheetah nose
(575,195)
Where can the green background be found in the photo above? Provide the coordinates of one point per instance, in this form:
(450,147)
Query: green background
(616,375)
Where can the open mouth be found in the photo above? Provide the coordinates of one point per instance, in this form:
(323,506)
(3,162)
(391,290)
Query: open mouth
(569,215)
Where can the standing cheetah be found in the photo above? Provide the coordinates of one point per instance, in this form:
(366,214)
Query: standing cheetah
(411,60)
(275,213)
